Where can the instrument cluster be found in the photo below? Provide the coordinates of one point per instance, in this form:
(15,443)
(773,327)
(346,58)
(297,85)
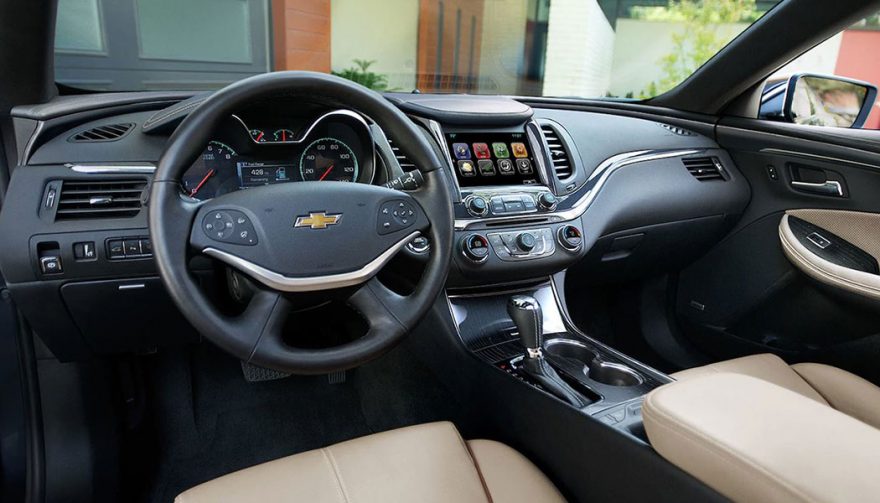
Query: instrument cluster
(334,146)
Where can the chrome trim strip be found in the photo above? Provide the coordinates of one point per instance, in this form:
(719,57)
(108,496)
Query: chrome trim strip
(29,146)
(806,155)
(600,174)
(305,135)
(113,169)
(284,283)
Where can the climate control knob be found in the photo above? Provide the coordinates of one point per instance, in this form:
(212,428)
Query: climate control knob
(570,237)
(547,201)
(477,206)
(475,247)
(526,242)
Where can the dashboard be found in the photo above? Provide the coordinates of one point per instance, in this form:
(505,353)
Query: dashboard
(261,149)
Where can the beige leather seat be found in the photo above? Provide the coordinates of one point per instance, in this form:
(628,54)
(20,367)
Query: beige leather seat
(425,463)
(828,385)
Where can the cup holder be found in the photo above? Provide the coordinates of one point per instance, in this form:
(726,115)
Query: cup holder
(611,374)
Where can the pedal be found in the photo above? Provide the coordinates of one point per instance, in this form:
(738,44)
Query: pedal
(337,377)
(255,373)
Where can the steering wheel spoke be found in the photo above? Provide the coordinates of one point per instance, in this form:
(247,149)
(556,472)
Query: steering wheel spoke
(379,306)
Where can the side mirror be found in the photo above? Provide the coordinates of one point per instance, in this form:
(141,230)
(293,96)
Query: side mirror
(819,100)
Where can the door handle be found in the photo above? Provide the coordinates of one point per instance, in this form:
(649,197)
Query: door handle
(827,188)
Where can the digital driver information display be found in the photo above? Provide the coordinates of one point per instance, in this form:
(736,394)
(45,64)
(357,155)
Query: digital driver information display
(481,159)
(255,174)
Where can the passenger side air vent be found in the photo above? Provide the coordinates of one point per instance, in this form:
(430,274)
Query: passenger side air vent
(405,164)
(85,199)
(561,160)
(704,169)
(110,132)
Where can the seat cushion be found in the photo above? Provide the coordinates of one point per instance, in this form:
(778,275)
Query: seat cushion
(427,463)
(754,441)
(828,385)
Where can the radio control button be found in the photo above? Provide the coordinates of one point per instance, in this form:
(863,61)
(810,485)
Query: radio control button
(547,201)
(477,206)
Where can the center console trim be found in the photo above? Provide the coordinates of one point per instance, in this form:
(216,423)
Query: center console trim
(594,183)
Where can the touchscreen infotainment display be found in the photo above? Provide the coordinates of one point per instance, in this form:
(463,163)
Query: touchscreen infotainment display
(481,159)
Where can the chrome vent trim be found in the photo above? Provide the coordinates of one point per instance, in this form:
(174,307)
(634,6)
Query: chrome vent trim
(559,156)
(94,199)
(405,164)
(704,169)
(97,134)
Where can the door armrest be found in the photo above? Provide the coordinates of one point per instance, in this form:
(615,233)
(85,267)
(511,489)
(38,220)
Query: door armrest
(751,440)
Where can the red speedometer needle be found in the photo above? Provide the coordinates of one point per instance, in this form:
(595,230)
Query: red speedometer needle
(327,172)
(199,186)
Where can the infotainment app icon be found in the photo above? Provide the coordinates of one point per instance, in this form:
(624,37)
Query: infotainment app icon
(500,150)
(481,151)
(461,150)
(519,149)
(466,168)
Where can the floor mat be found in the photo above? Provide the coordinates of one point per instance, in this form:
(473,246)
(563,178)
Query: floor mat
(206,420)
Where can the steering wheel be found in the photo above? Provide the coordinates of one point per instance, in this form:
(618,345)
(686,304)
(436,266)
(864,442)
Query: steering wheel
(300,237)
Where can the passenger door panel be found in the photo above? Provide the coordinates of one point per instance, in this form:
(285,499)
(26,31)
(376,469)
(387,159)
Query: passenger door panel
(747,296)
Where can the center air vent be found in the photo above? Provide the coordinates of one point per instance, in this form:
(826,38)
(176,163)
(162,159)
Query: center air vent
(704,169)
(405,164)
(109,132)
(84,199)
(561,160)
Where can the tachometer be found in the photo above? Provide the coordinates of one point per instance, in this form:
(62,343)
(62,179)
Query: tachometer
(203,179)
(328,159)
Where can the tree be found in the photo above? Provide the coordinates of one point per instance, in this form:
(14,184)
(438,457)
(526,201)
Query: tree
(700,37)
(361,74)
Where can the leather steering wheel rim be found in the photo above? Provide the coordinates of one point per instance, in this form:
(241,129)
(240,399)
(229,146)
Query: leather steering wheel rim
(255,335)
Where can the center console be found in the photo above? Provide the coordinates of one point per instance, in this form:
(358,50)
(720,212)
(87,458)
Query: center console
(595,378)
(509,216)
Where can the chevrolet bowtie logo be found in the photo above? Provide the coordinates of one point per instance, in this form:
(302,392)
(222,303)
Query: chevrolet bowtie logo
(318,220)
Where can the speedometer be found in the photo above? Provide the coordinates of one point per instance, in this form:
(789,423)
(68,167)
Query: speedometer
(328,159)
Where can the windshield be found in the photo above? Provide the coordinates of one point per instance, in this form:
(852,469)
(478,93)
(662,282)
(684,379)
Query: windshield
(572,48)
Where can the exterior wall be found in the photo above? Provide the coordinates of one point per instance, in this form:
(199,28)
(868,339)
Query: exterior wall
(384,31)
(503,46)
(436,67)
(639,48)
(858,60)
(301,34)
(579,48)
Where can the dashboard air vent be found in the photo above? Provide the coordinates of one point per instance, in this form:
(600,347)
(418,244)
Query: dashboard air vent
(561,161)
(676,130)
(109,132)
(704,169)
(86,199)
(405,164)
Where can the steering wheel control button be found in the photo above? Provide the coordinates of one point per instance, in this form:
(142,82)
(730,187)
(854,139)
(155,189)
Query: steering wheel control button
(547,201)
(230,226)
(477,206)
(475,247)
(395,215)
(570,237)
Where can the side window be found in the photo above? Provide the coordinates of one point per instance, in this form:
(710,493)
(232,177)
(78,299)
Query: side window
(833,84)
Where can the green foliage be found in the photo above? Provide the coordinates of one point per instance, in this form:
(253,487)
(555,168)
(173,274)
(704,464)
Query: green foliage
(361,74)
(706,30)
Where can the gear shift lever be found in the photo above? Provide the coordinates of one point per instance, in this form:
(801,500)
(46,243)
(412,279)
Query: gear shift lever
(526,314)
(525,311)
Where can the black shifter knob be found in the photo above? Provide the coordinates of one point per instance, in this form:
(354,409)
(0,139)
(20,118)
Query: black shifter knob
(525,312)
